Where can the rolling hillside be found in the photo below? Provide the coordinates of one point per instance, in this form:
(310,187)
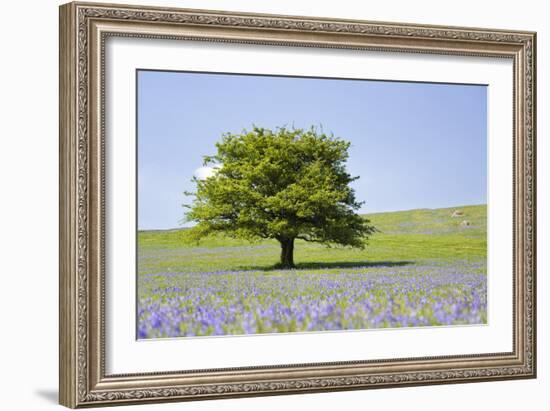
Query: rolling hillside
(457,233)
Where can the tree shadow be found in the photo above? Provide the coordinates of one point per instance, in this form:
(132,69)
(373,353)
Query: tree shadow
(329,265)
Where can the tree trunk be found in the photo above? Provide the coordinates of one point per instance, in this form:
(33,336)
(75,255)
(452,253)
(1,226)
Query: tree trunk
(287,253)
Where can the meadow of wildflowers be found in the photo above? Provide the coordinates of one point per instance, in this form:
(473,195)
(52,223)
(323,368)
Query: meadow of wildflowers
(435,276)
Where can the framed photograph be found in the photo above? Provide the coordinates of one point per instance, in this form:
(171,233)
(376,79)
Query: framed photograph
(260,204)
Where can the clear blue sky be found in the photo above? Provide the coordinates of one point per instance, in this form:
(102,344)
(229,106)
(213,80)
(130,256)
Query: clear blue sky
(414,145)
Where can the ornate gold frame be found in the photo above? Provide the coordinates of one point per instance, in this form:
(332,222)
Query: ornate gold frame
(83,30)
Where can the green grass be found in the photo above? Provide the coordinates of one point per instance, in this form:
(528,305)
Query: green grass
(423,267)
(404,237)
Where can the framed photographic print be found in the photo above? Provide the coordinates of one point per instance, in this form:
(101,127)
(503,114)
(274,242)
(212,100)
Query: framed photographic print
(259,204)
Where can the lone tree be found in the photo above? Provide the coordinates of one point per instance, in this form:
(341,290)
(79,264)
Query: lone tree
(285,184)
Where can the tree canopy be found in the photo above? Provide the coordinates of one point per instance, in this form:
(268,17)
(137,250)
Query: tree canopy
(283,184)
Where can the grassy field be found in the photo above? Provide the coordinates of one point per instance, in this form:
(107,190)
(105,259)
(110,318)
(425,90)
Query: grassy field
(423,267)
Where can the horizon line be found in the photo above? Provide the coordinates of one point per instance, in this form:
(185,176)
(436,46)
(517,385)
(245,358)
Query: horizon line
(366,214)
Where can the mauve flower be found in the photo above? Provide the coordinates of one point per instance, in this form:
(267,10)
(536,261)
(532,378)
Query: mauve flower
(248,302)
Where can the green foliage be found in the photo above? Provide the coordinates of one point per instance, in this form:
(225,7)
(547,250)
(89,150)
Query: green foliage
(285,184)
